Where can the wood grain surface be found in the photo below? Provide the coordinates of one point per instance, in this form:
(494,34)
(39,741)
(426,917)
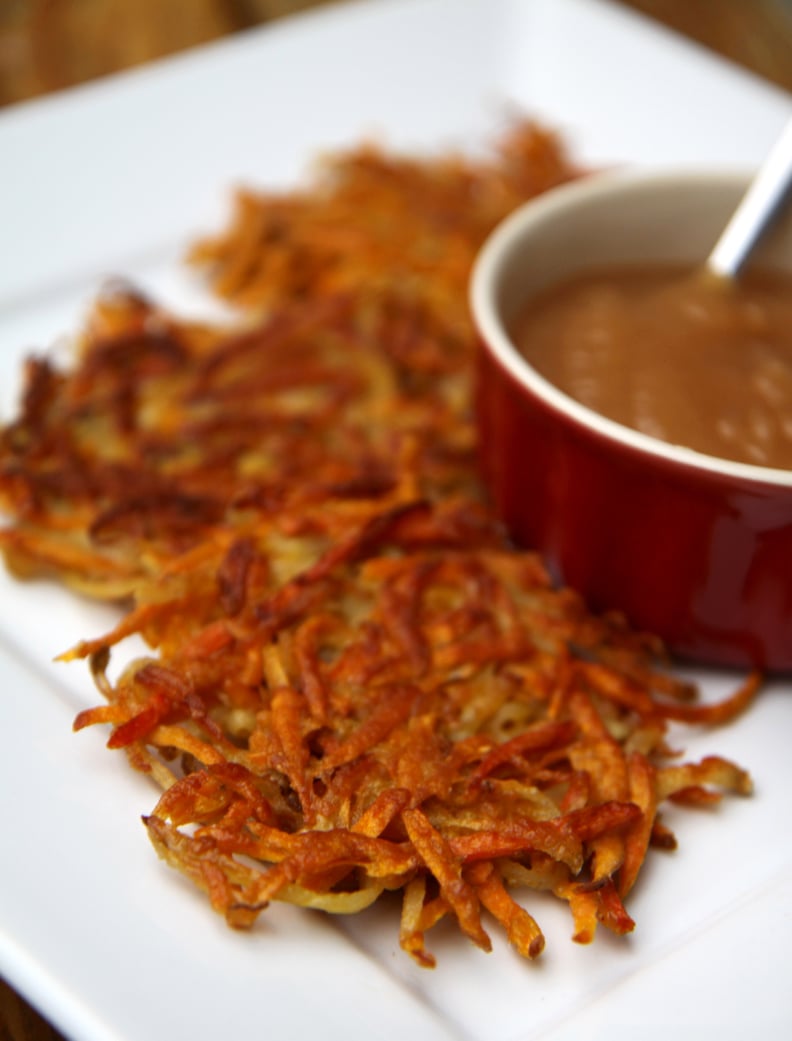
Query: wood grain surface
(47,45)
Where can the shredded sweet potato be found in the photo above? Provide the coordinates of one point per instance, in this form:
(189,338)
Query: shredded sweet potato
(356,683)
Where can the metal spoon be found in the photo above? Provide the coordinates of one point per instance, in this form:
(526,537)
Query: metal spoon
(756,210)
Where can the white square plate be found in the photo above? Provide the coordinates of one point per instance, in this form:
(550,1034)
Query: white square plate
(116,178)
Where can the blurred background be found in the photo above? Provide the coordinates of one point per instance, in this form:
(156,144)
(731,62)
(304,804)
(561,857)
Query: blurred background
(46,45)
(50,45)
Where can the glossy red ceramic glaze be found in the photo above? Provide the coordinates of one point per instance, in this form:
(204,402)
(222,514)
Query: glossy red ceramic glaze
(702,560)
(697,551)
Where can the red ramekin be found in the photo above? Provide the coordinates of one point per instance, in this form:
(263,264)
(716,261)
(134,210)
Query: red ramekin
(695,549)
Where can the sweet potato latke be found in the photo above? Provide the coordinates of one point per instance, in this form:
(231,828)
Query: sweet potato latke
(356,685)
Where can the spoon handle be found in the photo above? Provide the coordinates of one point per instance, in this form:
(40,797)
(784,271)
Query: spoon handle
(756,209)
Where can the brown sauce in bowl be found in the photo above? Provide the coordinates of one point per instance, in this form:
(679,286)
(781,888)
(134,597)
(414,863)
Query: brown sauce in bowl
(674,354)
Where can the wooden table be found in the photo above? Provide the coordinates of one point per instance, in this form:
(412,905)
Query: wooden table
(46,46)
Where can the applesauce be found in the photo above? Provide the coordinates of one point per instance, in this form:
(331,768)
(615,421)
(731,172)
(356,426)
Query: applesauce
(675,354)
